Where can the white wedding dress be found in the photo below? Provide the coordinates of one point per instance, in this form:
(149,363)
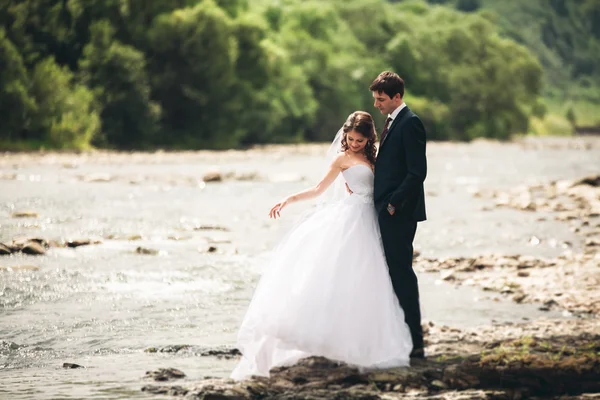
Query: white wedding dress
(327,292)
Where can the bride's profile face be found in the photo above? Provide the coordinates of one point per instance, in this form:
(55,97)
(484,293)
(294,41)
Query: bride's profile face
(356,141)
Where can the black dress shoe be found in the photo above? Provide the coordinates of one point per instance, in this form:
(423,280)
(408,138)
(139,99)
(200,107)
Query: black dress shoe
(417,353)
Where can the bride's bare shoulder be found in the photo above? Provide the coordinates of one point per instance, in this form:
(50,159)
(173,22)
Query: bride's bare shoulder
(340,160)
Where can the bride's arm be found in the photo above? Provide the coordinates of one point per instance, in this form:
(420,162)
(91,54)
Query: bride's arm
(334,170)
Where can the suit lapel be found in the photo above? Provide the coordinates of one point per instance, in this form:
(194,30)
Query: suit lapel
(395,122)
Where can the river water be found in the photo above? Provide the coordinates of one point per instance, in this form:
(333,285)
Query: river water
(101,306)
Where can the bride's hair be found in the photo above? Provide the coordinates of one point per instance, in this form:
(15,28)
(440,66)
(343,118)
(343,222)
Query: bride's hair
(362,123)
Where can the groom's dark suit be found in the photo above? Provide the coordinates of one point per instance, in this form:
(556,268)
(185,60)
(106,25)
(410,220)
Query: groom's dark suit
(400,170)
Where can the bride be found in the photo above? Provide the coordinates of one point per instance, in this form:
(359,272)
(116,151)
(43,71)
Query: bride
(327,291)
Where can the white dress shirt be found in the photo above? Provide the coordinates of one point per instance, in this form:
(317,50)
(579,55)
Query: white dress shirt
(395,113)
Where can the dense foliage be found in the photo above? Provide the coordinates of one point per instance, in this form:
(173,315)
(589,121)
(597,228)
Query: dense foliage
(226,73)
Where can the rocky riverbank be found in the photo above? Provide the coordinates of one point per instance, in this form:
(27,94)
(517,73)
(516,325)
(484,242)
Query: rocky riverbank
(545,359)
(568,282)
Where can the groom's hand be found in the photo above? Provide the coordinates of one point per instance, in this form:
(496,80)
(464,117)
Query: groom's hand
(391,209)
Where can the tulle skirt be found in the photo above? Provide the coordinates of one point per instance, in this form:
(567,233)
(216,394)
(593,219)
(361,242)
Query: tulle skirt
(327,292)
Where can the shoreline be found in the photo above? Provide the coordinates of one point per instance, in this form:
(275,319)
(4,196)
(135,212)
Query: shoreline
(544,359)
(541,358)
(480,179)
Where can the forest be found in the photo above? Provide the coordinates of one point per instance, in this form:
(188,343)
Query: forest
(219,74)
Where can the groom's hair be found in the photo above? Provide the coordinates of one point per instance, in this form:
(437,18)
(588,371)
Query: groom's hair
(389,83)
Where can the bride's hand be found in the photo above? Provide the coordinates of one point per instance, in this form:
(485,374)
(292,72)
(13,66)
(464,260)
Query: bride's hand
(276,210)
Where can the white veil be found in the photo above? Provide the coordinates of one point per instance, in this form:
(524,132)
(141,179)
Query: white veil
(337,191)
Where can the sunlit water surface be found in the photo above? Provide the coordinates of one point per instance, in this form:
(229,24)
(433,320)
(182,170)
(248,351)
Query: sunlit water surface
(101,306)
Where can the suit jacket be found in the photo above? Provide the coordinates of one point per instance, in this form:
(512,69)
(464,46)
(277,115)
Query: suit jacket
(401,168)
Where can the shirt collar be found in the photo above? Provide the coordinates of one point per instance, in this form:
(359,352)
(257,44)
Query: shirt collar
(395,113)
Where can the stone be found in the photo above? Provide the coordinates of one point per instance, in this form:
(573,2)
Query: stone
(20,268)
(212,176)
(33,248)
(227,353)
(448,276)
(145,251)
(174,348)
(99,177)
(79,242)
(245,176)
(25,214)
(593,181)
(166,390)
(4,249)
(398,388)
(592,242)
(211,228)
(72,366)
(437,384)
(519,297)
(165,374)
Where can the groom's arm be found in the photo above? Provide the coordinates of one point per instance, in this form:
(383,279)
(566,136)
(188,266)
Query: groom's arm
(414,149)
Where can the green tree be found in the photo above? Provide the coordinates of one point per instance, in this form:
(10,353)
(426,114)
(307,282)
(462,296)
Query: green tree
(488,83)
(336,64)
(117,75)
(16,103)
(192,64)
(66,114)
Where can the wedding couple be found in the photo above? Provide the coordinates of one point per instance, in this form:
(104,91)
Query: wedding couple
(341,284)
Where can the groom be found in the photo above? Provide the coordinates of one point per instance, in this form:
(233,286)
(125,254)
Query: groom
(400,170)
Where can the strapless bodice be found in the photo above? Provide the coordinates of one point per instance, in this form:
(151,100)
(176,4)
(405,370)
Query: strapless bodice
(359,178)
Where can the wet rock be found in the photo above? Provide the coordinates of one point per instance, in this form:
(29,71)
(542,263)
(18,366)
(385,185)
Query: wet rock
(20,268)
(523,274)
(19,243)
(145,251)
(178,238)
(165,374)
(5,250)
(211,249)
(99,177)
(448,276)
(592,243)
(174,348)
(165,390)
(226,353)
(212,176)
(6,346)
(33,248)
(519,297)
(25,214)
(81,242)
(245,176)
(561,359)
(72,366)
(590,181)
(211,228)
(438,385)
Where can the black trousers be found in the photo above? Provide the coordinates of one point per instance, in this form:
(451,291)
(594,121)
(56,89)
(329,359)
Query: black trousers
(397,236)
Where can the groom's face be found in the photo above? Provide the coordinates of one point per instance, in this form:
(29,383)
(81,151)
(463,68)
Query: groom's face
(385,104)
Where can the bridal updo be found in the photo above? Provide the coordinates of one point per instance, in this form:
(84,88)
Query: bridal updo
(362,122)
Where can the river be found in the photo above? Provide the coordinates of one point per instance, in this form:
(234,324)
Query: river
(102,305)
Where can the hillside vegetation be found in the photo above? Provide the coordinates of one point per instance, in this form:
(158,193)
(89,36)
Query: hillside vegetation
(144,74)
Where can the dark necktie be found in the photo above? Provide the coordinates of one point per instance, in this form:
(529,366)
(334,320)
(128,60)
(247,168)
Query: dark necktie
(385,128)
